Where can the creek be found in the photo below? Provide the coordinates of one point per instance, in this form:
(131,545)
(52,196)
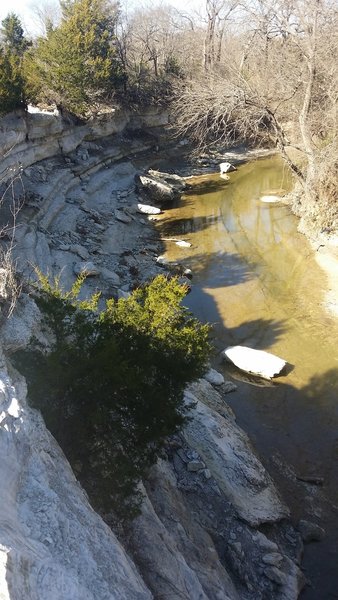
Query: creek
(256,280)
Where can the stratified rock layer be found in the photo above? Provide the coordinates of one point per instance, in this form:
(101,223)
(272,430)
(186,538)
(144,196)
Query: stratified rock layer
(52,544)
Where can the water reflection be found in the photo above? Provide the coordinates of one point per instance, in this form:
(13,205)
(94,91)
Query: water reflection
(251,264)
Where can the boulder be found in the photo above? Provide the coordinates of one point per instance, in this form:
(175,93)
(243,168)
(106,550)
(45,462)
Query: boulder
(122,217)
(229,387)
(273,559)
(214,377)
(160,187)
(275,575)
(310,532)
(110,276)
(147,209)
(175,180)
(253,361)
(226,167)
(157,190)
(86,268)
(195,465)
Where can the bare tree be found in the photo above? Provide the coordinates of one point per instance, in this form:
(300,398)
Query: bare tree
(218,12)
(47,15)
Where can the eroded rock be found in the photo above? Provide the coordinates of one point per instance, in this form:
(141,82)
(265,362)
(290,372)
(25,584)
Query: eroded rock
(86,268)
(310,532)
(228,454)
(52,544)
(214,377)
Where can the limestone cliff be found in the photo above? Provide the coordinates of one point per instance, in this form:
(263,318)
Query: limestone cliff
(52,544)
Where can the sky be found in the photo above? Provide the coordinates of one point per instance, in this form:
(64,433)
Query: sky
(24,8)
(21,8)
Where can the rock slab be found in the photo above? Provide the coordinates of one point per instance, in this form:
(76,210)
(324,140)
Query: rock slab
(253,361)
(228,454)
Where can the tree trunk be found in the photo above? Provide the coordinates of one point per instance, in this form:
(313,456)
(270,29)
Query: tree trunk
(310,57)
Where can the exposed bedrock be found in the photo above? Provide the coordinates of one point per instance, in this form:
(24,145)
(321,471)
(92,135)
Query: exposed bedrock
(28,138)
(191,540)
(52,544)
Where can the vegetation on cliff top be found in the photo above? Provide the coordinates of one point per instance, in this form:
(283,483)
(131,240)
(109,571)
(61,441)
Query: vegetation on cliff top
(111,385)
(262,71)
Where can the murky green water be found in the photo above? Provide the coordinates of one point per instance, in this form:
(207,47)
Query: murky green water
(256,280)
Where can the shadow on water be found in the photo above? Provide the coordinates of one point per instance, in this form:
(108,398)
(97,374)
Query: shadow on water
(206,186)
(295,432)
(221,269)
(256,281)
(184,226)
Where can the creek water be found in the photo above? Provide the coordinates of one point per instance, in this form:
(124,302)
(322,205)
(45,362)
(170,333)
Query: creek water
(256,280)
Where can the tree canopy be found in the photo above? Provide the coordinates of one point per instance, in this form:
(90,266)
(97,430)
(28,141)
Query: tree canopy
(12,48)
(12,34)
(77,63)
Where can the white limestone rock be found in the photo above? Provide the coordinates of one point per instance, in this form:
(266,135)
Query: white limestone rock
(214,377)
(270,199)
(183,244)
(52,544)
(147,209)
(225,167)
(162,260)
(227,453)
(253,361)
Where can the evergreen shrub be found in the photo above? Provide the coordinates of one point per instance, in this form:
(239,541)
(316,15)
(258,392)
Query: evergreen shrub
(111,385)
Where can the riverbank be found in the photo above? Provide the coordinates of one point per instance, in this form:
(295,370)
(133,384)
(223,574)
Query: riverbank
(326,255)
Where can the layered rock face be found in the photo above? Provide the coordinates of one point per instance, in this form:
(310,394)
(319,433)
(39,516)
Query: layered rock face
(27,138)
(198,535)
(52,544)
